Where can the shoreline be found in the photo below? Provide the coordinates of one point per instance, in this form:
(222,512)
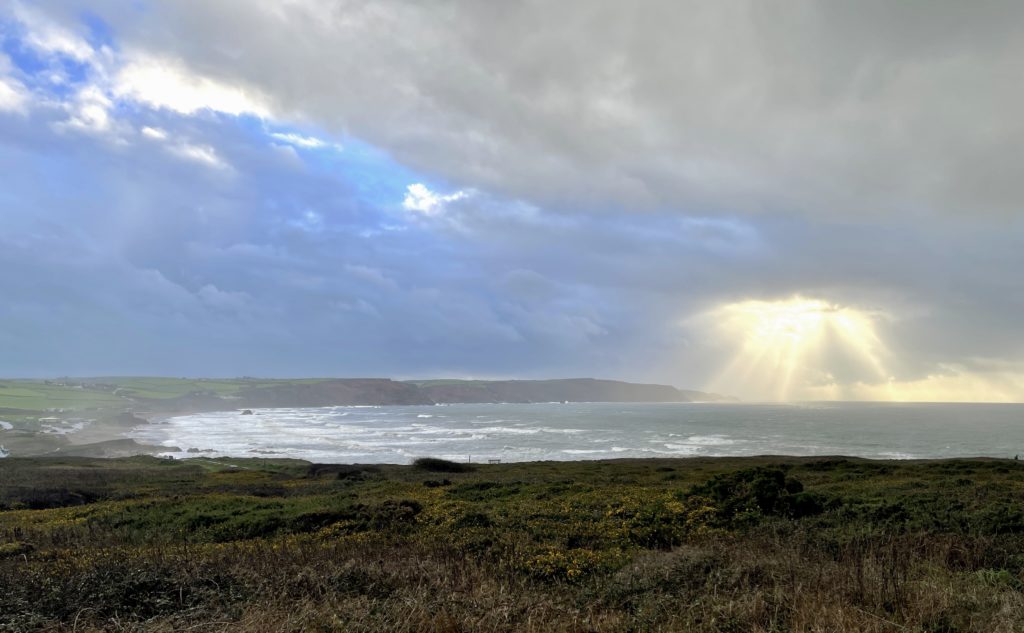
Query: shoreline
(105,436)
(111,435)
(313,434)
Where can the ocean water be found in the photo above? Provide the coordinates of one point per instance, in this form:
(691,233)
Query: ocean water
(530,432)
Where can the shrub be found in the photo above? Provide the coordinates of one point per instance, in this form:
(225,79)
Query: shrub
(572,565)
(436,465)
(343,471)
(473,520)
(745,495)
(41,499)
(17,548)
(482,490)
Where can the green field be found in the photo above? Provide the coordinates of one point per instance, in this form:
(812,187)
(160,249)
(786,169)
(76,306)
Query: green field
(173,387)
(729,544)
(89,393)
(23,402)
(39,396)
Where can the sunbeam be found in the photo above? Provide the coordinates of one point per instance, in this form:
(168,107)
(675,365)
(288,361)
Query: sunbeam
(787,348)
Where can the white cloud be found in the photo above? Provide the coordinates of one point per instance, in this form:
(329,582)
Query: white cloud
(306,142)
(89,112)
(202,154)
(420,199)
(205,155)
(13,96)
(163,82)
(49,37)
(287,154)
(155,133)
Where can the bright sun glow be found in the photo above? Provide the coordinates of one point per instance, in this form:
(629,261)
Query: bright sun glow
(799,348)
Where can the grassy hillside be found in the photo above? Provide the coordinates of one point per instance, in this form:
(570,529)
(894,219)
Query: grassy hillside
(29,399)
(754,544)
(39,396)
(143,387)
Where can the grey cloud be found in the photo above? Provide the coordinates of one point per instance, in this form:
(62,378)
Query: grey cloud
(825,108)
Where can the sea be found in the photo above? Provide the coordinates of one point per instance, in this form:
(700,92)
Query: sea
(588,431)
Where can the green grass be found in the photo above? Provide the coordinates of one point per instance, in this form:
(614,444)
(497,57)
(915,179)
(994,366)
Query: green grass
(38,396)
(446,381)
(78,394)
(172,387)
(730,544)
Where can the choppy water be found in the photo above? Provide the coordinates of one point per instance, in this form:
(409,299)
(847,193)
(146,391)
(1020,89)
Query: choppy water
(528,432)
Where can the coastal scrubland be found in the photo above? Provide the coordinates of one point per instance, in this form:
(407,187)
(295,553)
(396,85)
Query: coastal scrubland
(701,544)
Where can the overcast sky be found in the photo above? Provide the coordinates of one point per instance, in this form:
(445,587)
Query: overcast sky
(696,193)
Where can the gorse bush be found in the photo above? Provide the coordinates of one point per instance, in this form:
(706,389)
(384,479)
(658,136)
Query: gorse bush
(436,465)
(746,495)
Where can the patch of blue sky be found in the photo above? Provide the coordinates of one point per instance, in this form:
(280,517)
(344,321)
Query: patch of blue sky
(99,32)
(376,177)
(37,69)
(372,182)
(372,174)
(251,126)
(12,43)
(369,174)
(344,185)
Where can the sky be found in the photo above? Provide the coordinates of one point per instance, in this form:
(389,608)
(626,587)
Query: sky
(773,199)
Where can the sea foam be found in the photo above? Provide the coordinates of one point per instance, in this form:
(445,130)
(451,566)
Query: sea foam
(520,432)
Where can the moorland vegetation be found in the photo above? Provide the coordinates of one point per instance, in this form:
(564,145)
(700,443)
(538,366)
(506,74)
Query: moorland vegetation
(729,544)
